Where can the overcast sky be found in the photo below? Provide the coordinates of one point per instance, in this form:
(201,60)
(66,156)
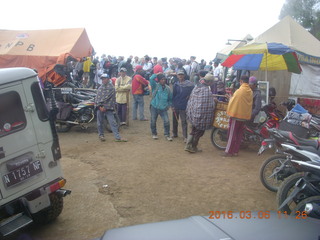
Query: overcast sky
(164,28)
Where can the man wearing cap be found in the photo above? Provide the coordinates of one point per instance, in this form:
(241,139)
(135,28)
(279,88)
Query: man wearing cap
(138,84)
(122,85)
(256,105)
(105,103)
(239,109)
(200,112)
(181,93)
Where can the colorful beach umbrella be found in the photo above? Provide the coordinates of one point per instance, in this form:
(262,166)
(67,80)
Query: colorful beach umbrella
(264,56)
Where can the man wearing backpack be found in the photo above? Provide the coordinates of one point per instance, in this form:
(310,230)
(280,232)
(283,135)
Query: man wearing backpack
(160,103)
(138,85)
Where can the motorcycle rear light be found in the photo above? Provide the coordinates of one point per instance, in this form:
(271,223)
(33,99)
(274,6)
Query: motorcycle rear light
(54,187)
(264,143)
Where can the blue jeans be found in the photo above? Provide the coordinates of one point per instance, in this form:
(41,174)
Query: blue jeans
(153,124)
(138,101)
(113,124)
(176,115)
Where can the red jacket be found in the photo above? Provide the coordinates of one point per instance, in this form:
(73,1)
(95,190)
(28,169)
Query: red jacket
(138,83)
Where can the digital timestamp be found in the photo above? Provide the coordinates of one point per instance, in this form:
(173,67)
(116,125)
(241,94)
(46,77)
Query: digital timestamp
(253,215)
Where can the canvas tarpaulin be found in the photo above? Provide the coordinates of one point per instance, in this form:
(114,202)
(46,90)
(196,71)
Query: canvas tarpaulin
(41,49)
(289,32)
(299,82)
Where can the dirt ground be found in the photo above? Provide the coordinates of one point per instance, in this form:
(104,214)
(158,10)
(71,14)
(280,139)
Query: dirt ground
(117,184)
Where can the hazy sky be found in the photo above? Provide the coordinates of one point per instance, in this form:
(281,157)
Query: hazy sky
(165,28)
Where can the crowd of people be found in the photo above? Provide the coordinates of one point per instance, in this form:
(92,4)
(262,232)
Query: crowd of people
(190,89)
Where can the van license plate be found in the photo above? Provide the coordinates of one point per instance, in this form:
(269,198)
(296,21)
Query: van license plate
(22,173)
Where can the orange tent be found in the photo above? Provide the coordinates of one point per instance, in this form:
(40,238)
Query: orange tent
(42,49)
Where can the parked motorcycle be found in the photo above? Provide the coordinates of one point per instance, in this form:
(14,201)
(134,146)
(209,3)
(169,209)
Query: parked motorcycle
(276,168)
(314,125)
(310,205)
(301,185)
(78,110)
(70,115)
(253,133)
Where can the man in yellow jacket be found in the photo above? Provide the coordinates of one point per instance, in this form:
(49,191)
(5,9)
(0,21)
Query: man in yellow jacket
(86,71)
(122,85)
(239,109)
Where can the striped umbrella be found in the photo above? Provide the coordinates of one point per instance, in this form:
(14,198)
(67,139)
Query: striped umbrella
(264,56)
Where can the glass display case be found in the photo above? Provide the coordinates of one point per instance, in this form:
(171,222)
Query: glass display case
(263,86)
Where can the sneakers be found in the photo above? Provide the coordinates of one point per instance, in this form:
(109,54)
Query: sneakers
(123,123)
(102,139)
(155,137)
(169,138)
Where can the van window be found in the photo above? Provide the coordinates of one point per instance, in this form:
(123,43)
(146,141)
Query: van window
(12,118)
(39,102)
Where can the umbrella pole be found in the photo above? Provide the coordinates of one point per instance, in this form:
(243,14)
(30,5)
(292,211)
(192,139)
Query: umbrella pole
(267,66)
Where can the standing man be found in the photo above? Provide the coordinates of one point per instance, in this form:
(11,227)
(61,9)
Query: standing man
(135,62)
(216,71)
(122,85)
(138,84)
(194,70)
(105,102)
(200,112)
(239,109)
(160,103)
(256,104)
(181,93)
(86,71)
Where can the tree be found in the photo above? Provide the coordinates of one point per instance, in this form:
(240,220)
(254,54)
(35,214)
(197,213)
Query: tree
(305,12)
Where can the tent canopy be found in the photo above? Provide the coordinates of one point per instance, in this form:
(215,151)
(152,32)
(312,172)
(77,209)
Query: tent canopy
(290,33)
(224,53)
(40,49)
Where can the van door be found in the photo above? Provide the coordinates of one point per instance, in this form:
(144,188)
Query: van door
(21,170)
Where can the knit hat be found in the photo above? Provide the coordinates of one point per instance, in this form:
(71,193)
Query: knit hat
(253,80)
(138,67)
(209,77)
(157,69)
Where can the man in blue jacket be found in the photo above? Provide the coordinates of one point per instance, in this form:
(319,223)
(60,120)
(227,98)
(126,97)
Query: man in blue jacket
(160,103)
(181,93)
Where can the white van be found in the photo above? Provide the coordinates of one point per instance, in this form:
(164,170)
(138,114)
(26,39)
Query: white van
(31,177)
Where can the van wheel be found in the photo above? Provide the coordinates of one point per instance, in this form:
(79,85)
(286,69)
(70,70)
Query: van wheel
(52,212)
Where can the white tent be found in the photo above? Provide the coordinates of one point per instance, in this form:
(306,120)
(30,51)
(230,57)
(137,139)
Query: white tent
(290,33)
(224,53)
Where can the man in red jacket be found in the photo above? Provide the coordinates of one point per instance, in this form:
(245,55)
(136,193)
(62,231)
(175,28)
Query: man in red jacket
(138,84)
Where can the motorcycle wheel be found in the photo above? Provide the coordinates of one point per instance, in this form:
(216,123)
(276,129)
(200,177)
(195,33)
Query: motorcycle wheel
(63,127)
(269,166)
(286,188)
(219,138)
(107,124)
(301,206)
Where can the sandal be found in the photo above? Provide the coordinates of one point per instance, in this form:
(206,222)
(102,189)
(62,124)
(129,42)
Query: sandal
(121,140)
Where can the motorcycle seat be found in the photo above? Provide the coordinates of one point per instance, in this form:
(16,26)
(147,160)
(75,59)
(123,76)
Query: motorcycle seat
(299,141)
